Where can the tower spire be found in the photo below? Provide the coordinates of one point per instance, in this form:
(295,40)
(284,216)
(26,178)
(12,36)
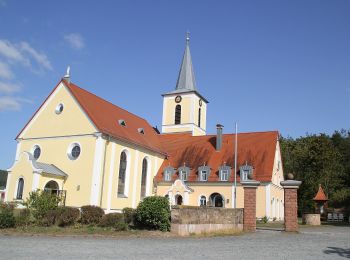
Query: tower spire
(186,79)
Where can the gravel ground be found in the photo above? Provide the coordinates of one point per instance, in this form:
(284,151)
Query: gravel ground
(310,243)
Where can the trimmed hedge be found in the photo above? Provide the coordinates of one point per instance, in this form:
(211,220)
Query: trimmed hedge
(49,218)
(129,216)
(110,220)
(154,213)
(91,214)
(67,216)
(23,217)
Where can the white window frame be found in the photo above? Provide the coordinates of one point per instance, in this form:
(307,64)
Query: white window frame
(182,174)
(224,173)
(202,174)
(200,200)
(70,148)
(167,175)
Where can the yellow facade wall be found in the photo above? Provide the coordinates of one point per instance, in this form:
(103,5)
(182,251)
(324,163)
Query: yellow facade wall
(22,169)
(135,156)
(46,123)
(189,114)
(224,190)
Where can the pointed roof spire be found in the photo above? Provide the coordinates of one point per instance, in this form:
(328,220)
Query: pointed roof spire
(186,79)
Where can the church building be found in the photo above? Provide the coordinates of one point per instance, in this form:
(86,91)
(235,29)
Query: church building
(92,152)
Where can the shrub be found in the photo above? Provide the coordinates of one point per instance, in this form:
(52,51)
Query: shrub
(129,215)
(7,219)
(264,219)
(23,218)
(91,214)
(40,202)
(111,219)
(49,218)
(154,213)
(120,226)
(67,216)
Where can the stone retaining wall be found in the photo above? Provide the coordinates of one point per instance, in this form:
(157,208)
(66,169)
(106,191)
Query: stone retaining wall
(196,220)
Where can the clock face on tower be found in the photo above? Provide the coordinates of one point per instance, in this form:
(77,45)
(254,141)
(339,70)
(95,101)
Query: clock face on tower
(178,99)
(200,102)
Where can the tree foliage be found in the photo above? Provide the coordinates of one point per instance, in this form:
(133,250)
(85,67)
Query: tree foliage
(319,159)
(40,203)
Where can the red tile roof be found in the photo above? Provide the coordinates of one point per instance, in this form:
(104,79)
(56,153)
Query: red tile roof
(257,149)
(320,196)
(105,117)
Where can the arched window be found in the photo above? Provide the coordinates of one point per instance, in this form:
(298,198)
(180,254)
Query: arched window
(178,199)
(216,200)
(20,188)
(144,178)
(203,201)
(52,187)
(199,117)
(178,114)
(122,171)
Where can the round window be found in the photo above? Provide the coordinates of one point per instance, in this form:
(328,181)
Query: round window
(36,152)
(74,151)
(59,109)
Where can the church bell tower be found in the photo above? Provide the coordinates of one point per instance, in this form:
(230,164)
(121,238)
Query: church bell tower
(184,109)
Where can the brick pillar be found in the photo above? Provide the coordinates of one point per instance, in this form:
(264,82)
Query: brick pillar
(249,213)
(291,205)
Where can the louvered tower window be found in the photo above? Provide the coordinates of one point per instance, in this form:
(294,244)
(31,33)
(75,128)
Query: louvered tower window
(178,114)
(199,117)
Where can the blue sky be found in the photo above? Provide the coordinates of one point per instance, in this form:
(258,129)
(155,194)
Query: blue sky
(269,65)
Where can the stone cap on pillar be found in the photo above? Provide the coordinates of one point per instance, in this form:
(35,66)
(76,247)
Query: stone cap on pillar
(290,184)
(250,184)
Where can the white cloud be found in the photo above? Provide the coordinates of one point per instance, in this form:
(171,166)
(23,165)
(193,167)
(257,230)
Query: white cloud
(9,103)
(12,53)
(24,54)
(8,88)
(5,71)
(75,40)
(40,58)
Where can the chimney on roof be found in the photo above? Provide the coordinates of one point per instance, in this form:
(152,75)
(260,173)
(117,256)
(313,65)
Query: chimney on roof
(67,76)
(219,128)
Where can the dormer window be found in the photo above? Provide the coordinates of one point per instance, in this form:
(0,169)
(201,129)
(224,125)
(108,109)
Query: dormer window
(203,173)
(168,173)
(141,131)
(122,122)
(245,171)
(184,172)
(224,173)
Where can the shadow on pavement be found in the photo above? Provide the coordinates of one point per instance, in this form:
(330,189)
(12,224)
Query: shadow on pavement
(344,252)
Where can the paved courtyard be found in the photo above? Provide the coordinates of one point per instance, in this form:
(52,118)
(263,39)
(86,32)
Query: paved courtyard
(311,243)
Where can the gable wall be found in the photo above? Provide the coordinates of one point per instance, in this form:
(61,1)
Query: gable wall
(46,123)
